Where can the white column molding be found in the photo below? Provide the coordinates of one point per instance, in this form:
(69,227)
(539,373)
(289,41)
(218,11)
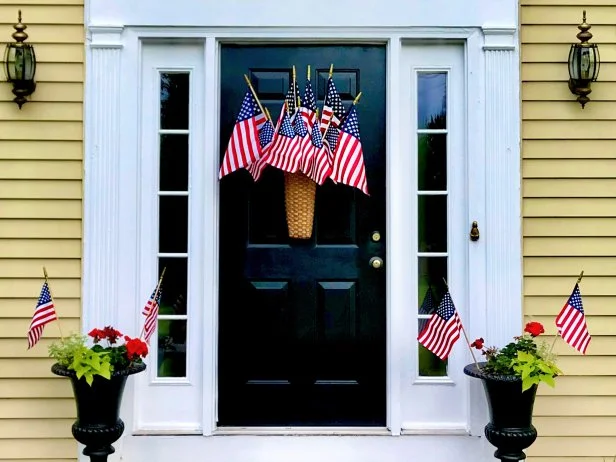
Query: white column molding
(502,230)
(101,177)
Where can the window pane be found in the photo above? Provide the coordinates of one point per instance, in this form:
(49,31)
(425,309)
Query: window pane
(175,282)
(432,223)
(174,162)
(432,100)
(174,100)
(430,365)
(173,224)
(171,348)
(432,162)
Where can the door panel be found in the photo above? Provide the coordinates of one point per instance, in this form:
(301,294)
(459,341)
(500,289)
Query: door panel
(302,322)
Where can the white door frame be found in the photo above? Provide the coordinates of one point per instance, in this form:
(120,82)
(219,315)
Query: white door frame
(111,238)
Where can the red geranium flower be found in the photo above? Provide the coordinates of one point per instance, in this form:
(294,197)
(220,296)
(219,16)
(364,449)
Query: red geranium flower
(97,335)
(136,348)
(478,343)
(111,334)
(534,328)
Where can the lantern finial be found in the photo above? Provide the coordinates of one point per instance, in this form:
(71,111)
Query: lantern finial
(19,35)
(584,36)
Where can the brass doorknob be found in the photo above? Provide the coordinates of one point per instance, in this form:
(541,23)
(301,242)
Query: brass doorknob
(376,262)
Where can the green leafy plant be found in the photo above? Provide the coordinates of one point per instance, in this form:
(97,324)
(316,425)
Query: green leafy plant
(120,352)
(526,358)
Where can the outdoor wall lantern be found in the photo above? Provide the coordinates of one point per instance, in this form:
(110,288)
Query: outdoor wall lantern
(583,63)
(20,64)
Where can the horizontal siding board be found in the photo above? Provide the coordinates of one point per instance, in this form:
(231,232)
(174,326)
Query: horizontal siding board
(49,130)
(549,305)
(41,150)
(42,169)
(49,34)
(48,92)
(549,91)
(25,288)
(64,72)
(37,367)
(569,246)
(569,168)
(573,386)
(580,406)
(14,347)
(559,52)
(59,52)
(556,285)
(40,248)
(569,207)
(566,129)
(40,208)
(42,14)
(567,15)
(558,73)
(576,426)
(41,189)
(43,449)
(564,110)
(567,149)
(32,268)
(35,428)
(565,187)
(17,328)
(581,446)
(42,112)
(40,229)
(561,266)
(32,408)
(24,307)
(561,34)
(54,387)
(563,227)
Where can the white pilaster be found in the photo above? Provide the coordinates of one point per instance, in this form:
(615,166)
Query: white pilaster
(101,181)
(502,230)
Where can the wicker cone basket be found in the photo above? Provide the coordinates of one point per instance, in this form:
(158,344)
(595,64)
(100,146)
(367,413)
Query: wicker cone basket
(299,191)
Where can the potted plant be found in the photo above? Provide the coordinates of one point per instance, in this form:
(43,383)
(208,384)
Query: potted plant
(98,375)
(510,378)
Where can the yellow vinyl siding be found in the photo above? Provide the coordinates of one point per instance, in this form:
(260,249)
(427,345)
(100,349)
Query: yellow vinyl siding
(569,222)
(41,172)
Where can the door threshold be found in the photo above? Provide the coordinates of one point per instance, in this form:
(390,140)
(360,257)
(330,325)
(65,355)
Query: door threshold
(322,431)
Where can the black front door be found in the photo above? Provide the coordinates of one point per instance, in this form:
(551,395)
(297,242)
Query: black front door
(302,322)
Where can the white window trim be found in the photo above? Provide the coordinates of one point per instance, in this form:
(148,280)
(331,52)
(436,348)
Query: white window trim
(111,242)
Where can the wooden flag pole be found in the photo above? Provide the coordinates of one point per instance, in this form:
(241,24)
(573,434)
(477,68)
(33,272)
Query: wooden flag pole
(579,279)
(331,70)
(468,342)
(160,281)
(54,303)
(308,73)
(254,93)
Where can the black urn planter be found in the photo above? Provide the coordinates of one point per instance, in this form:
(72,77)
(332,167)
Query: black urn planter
(511,412)
(98,423)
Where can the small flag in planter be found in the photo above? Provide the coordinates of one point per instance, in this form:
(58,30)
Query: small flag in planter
(571,322)
(443,329)
(244,147)
(150,311)
(44,313)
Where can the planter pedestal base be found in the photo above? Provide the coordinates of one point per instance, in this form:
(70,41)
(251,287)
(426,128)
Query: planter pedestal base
(97,439)
(510,442)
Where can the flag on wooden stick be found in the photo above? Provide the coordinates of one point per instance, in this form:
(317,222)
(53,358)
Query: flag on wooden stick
(44,313)
(266,135)
(285,152)
(571,322)
(151,314)
(244,147)
(443,329)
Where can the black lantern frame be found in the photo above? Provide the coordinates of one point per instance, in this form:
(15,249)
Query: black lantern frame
(584,63)
(20,64)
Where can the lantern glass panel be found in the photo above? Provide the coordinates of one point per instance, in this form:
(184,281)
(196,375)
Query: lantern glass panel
(29,67)
(572,63)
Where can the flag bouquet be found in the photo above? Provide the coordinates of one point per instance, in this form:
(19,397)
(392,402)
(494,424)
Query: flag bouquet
(309,148)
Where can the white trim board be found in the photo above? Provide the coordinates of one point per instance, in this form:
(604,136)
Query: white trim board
(114,52)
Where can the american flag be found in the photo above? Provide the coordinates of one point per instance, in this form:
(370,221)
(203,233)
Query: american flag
(349,165)
(571,322)
(244,147)
(321,160)
(442,330)
(427,307)
(291,98)
(266,135)
(151,314)
(44,313)
(308,109)
(333,109)
(285,153)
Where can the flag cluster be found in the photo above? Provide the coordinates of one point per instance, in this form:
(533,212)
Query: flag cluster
(321,148)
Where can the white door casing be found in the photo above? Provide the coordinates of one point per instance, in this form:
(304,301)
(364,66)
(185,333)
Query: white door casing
(117,269)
